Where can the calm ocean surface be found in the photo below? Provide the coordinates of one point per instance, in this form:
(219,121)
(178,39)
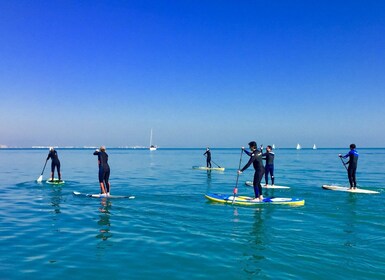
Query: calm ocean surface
(170,231)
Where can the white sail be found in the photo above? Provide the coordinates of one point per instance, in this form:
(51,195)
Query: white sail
(152,147)
(298,147)
(314,147)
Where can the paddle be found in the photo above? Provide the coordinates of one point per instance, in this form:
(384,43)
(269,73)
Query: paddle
(214,162)
(41,175)
(343,163)
(236,184)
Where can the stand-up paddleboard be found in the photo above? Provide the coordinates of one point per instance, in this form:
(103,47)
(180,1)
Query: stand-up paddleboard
(103,195)
(250,184)
(209,168)
(346,189)
(249,201)
(55,182)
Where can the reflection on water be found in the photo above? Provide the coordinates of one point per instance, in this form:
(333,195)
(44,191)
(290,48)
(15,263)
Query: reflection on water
(254,253)
(104,220)
(208,181)
(350,221)
(56,198)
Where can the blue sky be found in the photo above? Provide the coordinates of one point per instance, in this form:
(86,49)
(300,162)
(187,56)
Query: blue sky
(199,73)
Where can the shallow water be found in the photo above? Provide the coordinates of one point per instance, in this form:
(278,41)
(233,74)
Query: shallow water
(170,231)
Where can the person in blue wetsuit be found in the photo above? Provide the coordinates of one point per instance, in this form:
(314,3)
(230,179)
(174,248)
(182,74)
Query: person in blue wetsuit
(353,159)
(256,160)
(208,157)
(104,170)
(55,163)
(269,166)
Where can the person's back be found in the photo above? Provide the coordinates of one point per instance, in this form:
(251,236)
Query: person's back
(269,166)
(55,163)
(353,160)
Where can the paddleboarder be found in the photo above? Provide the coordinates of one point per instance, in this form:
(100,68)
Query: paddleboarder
(256,160)
(208,157)
(269,166)
(353,159)
(55,163)
(104,170)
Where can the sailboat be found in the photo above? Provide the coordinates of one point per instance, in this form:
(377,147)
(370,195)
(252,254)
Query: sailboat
(152,147)
(314,147)
(298,147)
(273,147)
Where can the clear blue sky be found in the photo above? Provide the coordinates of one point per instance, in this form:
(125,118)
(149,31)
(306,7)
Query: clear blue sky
(199,73)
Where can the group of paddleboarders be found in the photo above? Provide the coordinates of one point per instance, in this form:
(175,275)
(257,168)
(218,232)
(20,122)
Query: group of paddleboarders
(256,156)
(104,168)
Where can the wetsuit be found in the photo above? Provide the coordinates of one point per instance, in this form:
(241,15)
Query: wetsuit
(104,169)
(353,159)
(269,166)
(54,163)
(208,158)
(256,160)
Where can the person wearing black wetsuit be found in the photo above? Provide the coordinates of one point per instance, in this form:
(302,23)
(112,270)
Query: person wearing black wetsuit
(208,157)
(269,166)
(256,160)
(55,162)
(353,160)
(104,170)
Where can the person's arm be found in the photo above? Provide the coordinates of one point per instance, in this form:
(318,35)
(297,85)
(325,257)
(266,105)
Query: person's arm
(247,153)
(264,156)
(251,160)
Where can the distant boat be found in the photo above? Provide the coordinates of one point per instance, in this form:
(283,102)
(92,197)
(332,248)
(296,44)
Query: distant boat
(152,147)
(314,147)
(273,146)
(298,147)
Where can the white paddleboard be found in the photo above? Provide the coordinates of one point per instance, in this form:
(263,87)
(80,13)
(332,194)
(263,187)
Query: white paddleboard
(346,189)
(98,195)
(250,184)
(209,168)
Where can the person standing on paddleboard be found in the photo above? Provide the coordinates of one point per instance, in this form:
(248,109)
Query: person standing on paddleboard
(104,170)
(269,166)
(208,157)
(55,162)
(353,159)
(256,160)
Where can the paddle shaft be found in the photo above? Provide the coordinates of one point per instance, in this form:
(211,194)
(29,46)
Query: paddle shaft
(44,166)
(236,183)
(41,175)
(344,163)
(214,162)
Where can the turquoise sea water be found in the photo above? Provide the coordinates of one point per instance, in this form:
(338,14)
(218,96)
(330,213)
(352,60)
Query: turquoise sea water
(170,231)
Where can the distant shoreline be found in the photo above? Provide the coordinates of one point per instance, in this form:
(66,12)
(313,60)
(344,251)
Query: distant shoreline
(167,148)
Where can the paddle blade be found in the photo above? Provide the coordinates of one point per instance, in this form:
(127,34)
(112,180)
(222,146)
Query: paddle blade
(40,178)
(235,194)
